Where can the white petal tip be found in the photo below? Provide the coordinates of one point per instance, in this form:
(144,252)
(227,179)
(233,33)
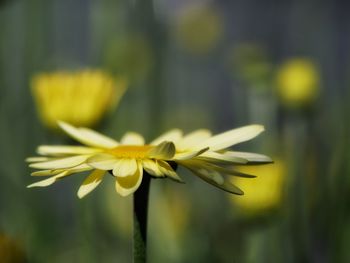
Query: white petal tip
(80,195)
(36,185)
(62,123)
(123,193)
(259,127)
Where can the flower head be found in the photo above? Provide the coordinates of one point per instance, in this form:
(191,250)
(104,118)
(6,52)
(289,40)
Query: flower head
(298,82)
(81,98)
(266,192)
(127,160)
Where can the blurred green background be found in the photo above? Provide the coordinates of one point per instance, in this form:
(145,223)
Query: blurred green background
(188,64)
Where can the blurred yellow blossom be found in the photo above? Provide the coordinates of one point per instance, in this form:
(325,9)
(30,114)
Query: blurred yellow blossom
(263,193)
(298,82)
(199,28)
(81,98)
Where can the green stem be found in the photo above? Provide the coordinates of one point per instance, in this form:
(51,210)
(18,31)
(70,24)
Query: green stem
(140,220)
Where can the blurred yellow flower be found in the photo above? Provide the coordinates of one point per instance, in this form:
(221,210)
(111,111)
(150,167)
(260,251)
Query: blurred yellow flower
(265,192)
(298,82)
(200,152)
(199,28)
(81,98)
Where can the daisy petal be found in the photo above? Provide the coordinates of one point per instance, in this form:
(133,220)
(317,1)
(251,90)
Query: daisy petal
(91,182)
(60,163)
(102,161)
(219,158)
(232,137)
(65,150)
(223,170)
(172,136)
(76,169)
(166,169)
(152,168)
(251,157)
(192,139)
(189,154)
(80,168)
(45,172)
(165,150)
(88,137)
(217,180)
(125,167)
(37,159)
(49,181)
(128,185)
(132,138)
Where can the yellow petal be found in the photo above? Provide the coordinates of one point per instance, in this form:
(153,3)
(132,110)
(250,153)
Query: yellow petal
(58,150)
(226,170)
(102,161)
(60,163)
(76,169)
(251,157)
(217,180)
(192,139)
(91,182)
(220,158)
(172,136)
(50,180)
(98,139)
(189,154)
(232,137)
(125,167)
(37,159)
(45,172)
(152,168)
(166,169)
(132,138)
(128,185)
(88,137)
(165,150)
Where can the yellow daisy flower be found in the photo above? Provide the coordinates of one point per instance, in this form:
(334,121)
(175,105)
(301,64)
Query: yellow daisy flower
(81,98)
(200,152)
(298,82)
(266,192)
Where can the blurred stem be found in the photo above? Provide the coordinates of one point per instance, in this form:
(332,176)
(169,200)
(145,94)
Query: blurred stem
(140,220)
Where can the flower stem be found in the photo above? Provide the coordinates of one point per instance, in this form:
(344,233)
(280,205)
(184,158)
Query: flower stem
(140,220)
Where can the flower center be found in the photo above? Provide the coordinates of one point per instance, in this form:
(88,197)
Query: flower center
(130,151)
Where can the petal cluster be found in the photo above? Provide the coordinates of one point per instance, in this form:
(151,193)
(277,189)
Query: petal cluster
(81,97)
(127,160)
